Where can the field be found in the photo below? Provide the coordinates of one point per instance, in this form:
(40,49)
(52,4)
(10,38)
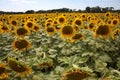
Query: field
(60,46)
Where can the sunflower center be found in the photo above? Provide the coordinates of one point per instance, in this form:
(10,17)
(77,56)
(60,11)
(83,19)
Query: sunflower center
(4,28)
(48,24)
(109,22)
(76,76)
(29,24)
(77,36)
(50,29)
(114,22)
(16,67)
(21,31)
(21,44)
(78,22)
(36,28)
(67,30)
(2,70)
(61,20)
(91,25)
(14,23)
(103,30)
(107,14)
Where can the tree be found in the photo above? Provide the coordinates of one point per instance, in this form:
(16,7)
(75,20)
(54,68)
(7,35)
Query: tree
(88,9)
(30,11)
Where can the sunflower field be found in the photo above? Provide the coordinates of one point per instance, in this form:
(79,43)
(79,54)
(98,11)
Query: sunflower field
(60,46)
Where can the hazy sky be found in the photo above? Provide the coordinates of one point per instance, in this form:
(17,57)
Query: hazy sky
(24,5)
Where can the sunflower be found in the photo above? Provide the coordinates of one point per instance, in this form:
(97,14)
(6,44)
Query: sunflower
(67,31)
(45,66)
(84,17)
(5,28)
(50,30)
(1,31)
(91,26)
(48,24)
(75,74)
(49,20)
(109,22)
(103,30)
(21,32)
(21,44)
(37,28)
(107,14)
(61,20)
(115,33)
(14,23)
(76,28)
(3,72)
(77,36)
(29,25)
(18,67)
(77,22)
(115,22)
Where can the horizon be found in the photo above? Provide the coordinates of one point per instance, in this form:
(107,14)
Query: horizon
(24,5)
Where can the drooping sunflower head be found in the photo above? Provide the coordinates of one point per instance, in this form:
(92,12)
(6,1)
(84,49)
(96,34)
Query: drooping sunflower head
(67,31)
(3,72)
(45,67)
(103,30)
(16,66)
(21,32)
(77,36)
(21,44)
(75,74)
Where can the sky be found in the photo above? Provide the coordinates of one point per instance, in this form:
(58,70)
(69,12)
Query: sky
(24,5)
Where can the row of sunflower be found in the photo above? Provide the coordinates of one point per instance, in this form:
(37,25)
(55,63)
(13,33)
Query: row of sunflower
(69,27)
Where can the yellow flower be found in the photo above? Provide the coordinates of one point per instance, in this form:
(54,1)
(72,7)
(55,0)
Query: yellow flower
(61,20)
(45,66)
(103,30)
(14,23)
(3,72)
(91,26)
(21,44)
(77,36)
(67,31)
(21,32)
(50,30)
(75,74)
(107,14)
(115,33)
(115,22)
(77,22)
(5,28)
(37,28)
(18,67)
(29,25)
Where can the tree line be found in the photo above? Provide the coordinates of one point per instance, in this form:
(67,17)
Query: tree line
(88,9)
